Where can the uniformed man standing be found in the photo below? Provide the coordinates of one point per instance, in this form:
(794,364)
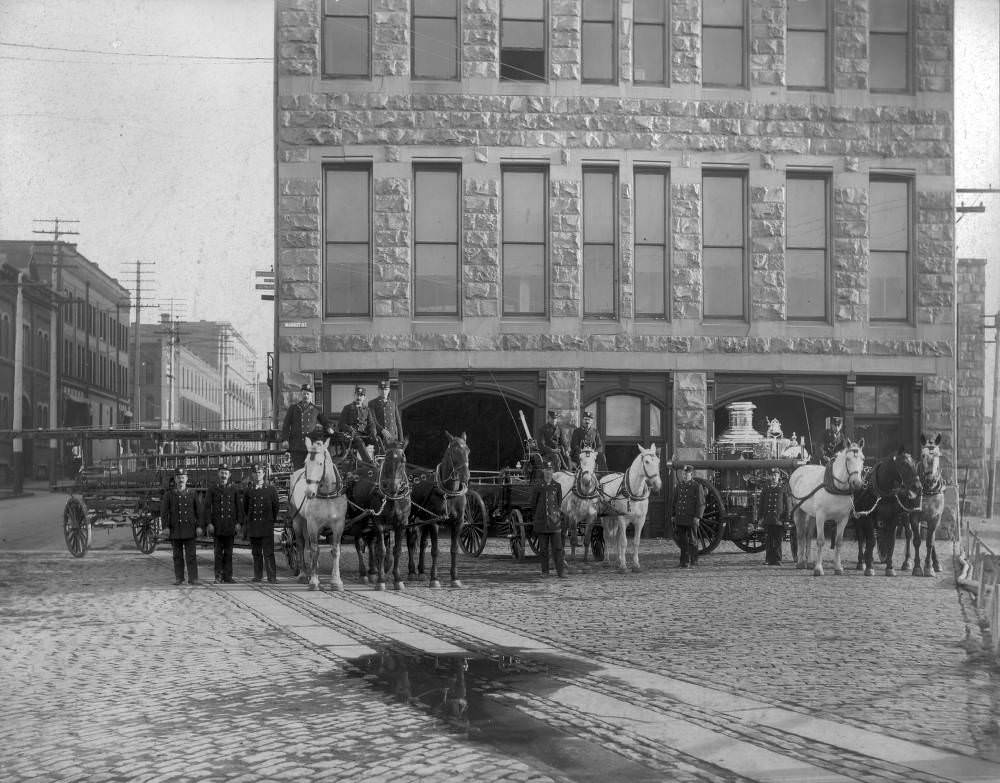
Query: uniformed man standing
(587,436)
(224,514)
(771,508)
(388,422)
(689,505)
(260,512)
(179,517)
(546,520)
(357,423)
(553,443)
(300,419)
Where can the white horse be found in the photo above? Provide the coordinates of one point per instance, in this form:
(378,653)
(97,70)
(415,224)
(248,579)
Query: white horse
(625,499)
(821,494)
(581,496)
(318,504)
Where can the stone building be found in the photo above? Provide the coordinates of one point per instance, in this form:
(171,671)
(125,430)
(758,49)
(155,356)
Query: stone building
(644,209)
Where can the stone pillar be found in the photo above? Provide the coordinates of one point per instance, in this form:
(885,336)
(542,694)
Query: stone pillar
(562,393)
(850,248)
(391,272)
(690,415)
(935,237)
(935,56)
(970,385)
(850,45)
(297,32)
(685,41)
(566,232)
(481,40)
(767,245)
(390,38)
(626,246)
(685,232)
(565,42)
(480,253)
(767,43)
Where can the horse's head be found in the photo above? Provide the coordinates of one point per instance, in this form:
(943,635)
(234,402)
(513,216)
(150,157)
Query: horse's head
(648,462)
(455,462)
(851,461)
(906,474)
(318,470)
(930,458)
(392,479)
(586,473)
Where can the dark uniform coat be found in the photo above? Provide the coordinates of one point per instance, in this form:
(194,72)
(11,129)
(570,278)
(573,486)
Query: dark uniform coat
(224,509)
(388,422)
(179,512)
(552,442)
(833,442)
(585,437)
(546,501)
(772,505)
(689,503)
(260,511)
(356,419)
(300,420)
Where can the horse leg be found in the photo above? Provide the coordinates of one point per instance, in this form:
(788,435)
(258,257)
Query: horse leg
(639,524)
(397,553)
(838,541)
(862,538)
(455,581)
(928,569)
(412,542)
(379,547)
(425,536)
(889,544)
(432,532)
(335,581)
(359,547)
(802,537)
(298,526)
(907,562)
(313,559)
(820,534)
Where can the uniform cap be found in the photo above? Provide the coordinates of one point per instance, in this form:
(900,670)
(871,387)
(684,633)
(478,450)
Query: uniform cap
(180,472)
(687,469)
(836,420)
(588,415)
(546,464)
(306,387)
(553,414)
(384,384)
(359,390)
(223,466)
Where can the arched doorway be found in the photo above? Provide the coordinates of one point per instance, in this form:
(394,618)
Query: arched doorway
(494,436)
(800,416)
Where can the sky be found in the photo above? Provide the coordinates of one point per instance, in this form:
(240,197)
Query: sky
(150,122)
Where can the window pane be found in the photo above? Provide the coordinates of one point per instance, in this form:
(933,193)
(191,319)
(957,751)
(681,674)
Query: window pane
(887,401)
(523,9)
(347,279)
(722,56)
(889,15)
(864,399)
(624,416)
(889,216)
(723,275)
(435,7)
(435,48)
(522,65)
(347,206)
(723,210)
(524,206)
(599,214)
(347,6)
(650,212)
(436,279)
(523,35)
(601,10)
(650,280)
(807,13)
(806,211)
(806,59)
(523,279)
(598,51)
(650,11)
(649,54)
(436,206)
(887,276)
(598,279)
(722,12)
(655,421)
(345,46)
(805,277)
(888,62)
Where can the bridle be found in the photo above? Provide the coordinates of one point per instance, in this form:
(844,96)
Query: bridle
(333,488)
(398,467)
(578,489)
(625,489)
(459,472)
(930,480)
(846,482)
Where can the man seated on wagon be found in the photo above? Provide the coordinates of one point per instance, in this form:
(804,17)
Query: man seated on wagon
(357,425)
(834,440)
(587,436)
(553,443)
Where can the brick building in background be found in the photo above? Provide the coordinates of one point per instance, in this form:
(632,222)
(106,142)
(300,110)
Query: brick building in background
(645,209)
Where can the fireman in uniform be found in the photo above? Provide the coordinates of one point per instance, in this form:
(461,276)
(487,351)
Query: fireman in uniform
(689,505)
(546,520)
(586,435)
(834,440)
(553,443)
(224,514)
(771,508)
(260,511)
(388,422)
(357,424)
(179,515)
(300,420)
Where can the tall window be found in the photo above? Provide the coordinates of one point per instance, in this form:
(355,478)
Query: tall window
(524,221)
(722,43)
(724,244)
(346,38)
(808,44)
(889,45)
(435,39)
(600,222)
(348,241)
(652,195)
(599,38)
(878,417)
(649,42)
(436,225)
(889,229)
(806,237)
(522,40)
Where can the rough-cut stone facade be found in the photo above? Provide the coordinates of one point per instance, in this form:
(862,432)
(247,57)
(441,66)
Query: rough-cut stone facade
(968,416)
(767,42)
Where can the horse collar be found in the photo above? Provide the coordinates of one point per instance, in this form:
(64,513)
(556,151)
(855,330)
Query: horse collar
(830,482)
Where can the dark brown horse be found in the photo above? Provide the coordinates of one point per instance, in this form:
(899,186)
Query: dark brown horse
(925,519)
(439,498)
(890,492)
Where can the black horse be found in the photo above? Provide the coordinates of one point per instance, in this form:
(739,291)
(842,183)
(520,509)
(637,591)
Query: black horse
(890,493)
(439,498)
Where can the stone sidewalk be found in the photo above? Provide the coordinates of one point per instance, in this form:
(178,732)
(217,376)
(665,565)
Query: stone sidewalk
(728,672)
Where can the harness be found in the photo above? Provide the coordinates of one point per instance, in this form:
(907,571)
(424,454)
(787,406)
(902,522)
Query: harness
(829,484)
(577,490)
(337,490)
(626,492)
(439,486)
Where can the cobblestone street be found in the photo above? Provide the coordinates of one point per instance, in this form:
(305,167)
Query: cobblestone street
(731,671)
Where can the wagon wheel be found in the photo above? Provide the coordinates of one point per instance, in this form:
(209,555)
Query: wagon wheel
(145,531)
(515,523)
(532,538)
(754,542)
(291,551)
(711,528)
(597,542)
(472,533)
(76,527)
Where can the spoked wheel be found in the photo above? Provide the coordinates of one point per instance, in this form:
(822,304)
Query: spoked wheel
(532,538)
(754,542)
(291,551)
(516,527)
(472,533)
(76,527)
(145,531)
(597,542)
(711,527)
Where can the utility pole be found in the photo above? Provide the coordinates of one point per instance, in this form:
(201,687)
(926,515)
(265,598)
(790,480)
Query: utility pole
(141,270)
(55,330)
(991,482)
(172,321)
(18,422)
